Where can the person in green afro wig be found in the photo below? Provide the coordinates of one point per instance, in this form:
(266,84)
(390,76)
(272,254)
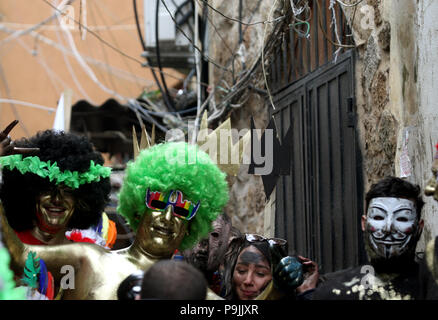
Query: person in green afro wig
(171,194)
(175,166)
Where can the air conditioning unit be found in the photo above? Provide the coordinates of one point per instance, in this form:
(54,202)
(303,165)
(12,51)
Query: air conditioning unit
(176,51)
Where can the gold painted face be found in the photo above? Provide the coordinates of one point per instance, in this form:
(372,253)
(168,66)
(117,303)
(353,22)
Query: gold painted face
(161,232)
(432,185)
(54,209)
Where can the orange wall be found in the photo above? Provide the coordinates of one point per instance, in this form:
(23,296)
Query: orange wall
(28,80)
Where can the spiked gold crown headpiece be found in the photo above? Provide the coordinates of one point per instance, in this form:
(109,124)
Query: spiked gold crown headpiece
(225,154)
(145,140)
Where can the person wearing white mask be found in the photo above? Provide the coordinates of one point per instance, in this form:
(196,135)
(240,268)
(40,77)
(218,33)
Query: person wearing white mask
(391,229)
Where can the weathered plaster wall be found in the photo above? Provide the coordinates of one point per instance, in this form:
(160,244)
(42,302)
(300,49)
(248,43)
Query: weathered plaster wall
(247,197)
(377,121)
(396,81)
(396,90)
(427,84)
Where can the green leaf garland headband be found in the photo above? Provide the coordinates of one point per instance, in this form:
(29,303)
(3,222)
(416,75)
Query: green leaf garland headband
(45,169)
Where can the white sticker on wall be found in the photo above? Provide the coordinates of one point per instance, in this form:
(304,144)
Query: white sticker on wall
(405,162)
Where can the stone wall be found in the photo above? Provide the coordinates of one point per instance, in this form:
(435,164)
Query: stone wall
(394,93)
(247,197)
(423,145)
(377,121)
(378,125)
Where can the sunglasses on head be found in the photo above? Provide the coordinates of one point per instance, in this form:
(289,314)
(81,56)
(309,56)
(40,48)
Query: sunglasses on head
(159,201)
(252,237)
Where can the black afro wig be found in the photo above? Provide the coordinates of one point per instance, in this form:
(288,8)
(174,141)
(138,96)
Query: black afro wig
(19,192)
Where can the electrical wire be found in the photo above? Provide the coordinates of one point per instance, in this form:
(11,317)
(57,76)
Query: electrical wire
(108,68)
(351,21)
(73,74)
(96,35)
(263,58)
(298,21)
(128,56)
(114,27)
(218,110)
(35,26)
(38,54)
(135,105)
(104,55)
(240,21)
(164,114)
(217,113)
(140,35)
(243,82)
(349,4)
(188,78)
(186,16)
(217,32)
(12,102)
(114,16)
(166,95)
(319,14)
(50,73)
(86,68)
(335,24)
(27,104)
(198,77)
(114,39)
(191,41)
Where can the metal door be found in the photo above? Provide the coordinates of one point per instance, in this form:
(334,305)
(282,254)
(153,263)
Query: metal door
(318,206)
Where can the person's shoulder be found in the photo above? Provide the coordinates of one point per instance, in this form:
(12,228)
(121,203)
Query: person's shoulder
(338,285)
(341,274)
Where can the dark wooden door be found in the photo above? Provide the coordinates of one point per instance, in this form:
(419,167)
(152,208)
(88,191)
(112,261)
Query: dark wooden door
(318,206)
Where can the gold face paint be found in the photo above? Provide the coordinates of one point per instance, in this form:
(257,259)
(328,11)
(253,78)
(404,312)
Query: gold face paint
(162,232)
(54,209)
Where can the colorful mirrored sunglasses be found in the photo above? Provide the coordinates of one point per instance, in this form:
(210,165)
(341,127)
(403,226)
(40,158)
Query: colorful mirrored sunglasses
(159,201)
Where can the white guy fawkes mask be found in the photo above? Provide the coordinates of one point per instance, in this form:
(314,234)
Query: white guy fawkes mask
(391,224)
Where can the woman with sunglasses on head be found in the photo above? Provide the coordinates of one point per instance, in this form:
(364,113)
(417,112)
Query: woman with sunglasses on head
(260,269)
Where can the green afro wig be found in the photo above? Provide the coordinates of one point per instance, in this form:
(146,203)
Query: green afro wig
(175,166)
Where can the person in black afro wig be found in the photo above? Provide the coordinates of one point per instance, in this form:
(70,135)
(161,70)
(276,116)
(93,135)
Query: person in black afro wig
(19,191)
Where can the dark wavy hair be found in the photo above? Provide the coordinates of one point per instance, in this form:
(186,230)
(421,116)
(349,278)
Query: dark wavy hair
(397,188)
(19,192)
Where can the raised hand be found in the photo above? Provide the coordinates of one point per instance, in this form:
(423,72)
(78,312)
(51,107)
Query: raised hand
(287,271)
(7,145)
(311,274)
